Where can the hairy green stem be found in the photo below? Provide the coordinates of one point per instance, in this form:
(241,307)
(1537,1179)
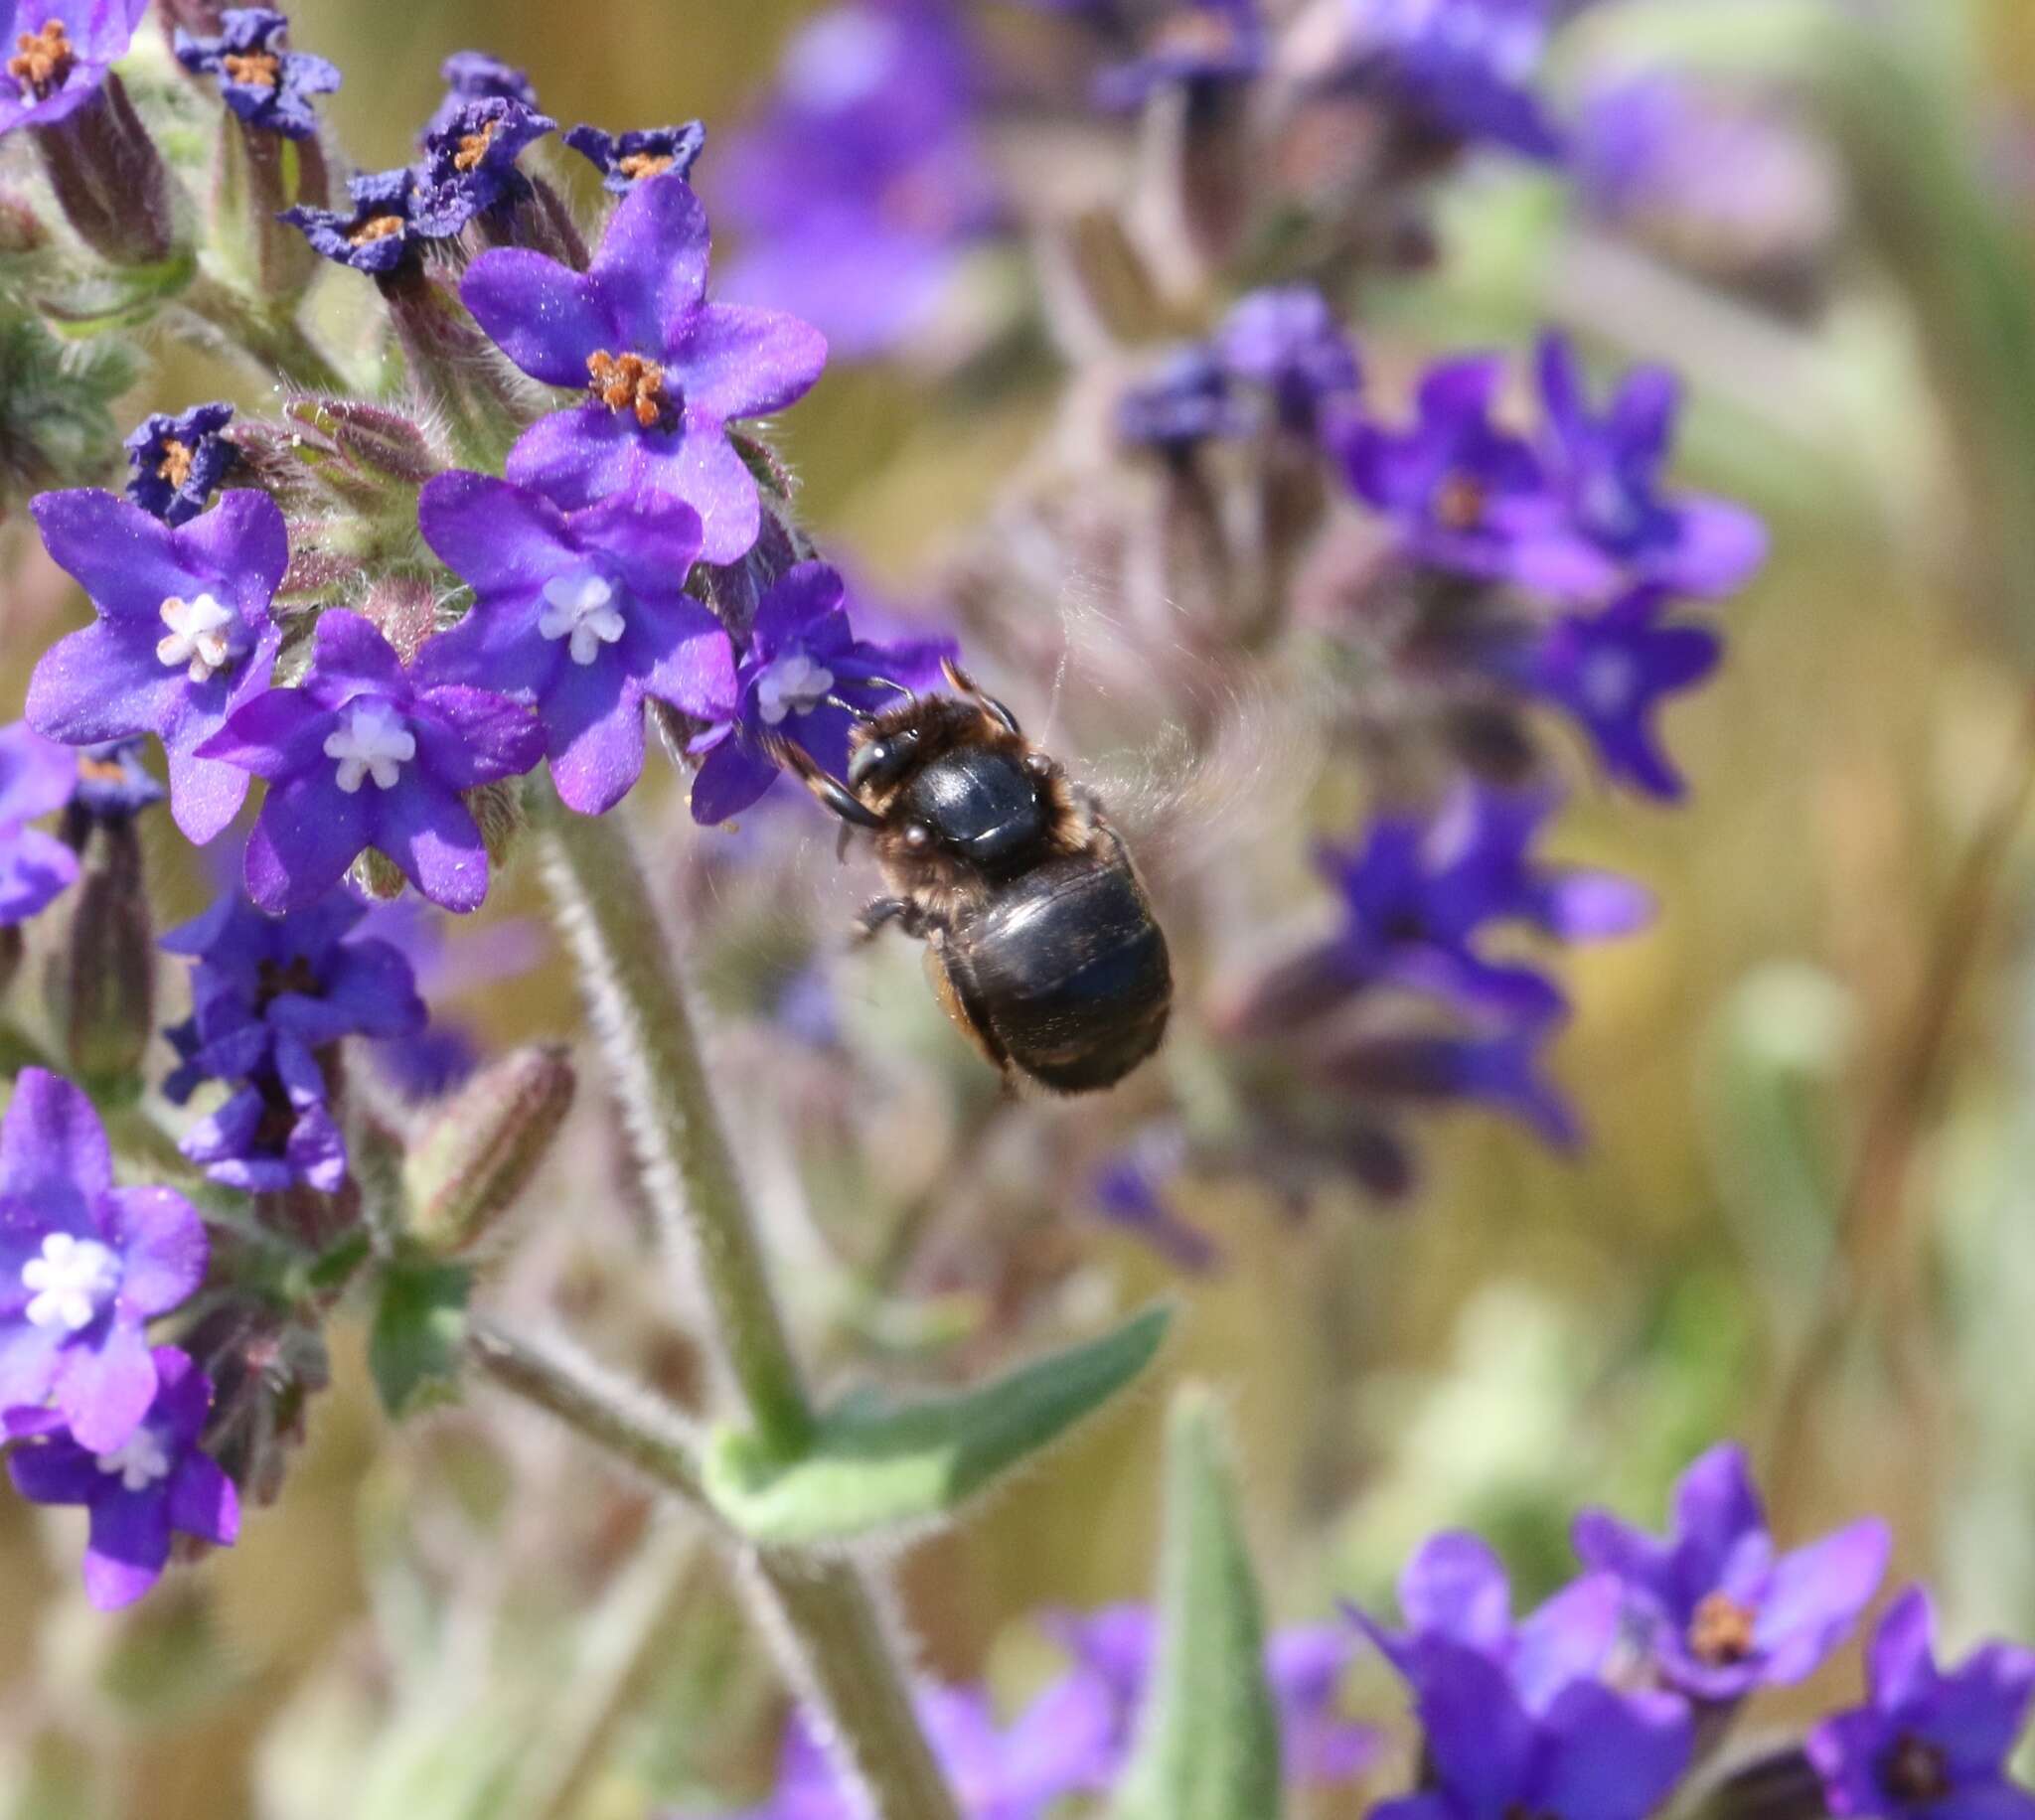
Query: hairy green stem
(829,1624)
(227,321)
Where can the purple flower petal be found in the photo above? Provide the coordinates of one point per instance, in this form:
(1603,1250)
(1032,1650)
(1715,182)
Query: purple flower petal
(428,833)
(543,316)
(741,361)
(307,835)
(204,1503)
(128,1550)
(1815,1596)
(1617,1756)
(650,269)
(105,1390)
(162,1245)
(52,1148)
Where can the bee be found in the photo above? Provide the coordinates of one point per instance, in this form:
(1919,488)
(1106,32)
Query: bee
(1040,938)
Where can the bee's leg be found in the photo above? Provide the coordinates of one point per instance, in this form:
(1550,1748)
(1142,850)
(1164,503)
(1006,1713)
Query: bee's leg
(831,791)
(964,684)
(878,916)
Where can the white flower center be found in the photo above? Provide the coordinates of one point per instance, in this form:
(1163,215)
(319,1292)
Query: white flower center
(73,1280)
(580,606)
(792,685)
(197,638)
(140,1461)
(1609,681)
(372,741)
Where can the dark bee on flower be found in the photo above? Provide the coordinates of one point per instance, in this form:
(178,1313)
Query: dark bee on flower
(1039,934)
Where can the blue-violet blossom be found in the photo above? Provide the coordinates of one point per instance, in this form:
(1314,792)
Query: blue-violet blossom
(626,159)
(378,234)
(179,461)
(469,165)
(266,85)
(37,777)
(474,75)
(58,53)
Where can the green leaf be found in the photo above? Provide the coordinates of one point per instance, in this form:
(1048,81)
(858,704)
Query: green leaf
(419,1330)
(1209,1745)
(874,1469)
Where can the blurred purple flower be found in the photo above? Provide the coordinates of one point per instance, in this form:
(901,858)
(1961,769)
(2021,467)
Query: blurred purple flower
(179,461)
(85,1265)
(378,233)
(183,639)
(1930,1744)
(274,1133)
(802,662)
(626,159)
(1455,1592)
(360,754)
(1612,670)
(58,54)
(271,991)
(37,777)
(860,182)
(112,786)
(663,371)
(583,614)
(1200,45)
(1289,342)
(1607,522)
(1589,1755)
(1460,492)
(1466,69)
(266,85)
(1502,1071)
(1723,1615)
(474,75)
(469,164)
(154,1483)
(1188,399)
(1129,1189)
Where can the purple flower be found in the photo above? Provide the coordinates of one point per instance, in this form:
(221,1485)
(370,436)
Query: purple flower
(1464,69)
(378,234)
(153,1483)
(663,371)
(275,1133)
(1454,1594)
(1460,492)
(268,86)
(58,53)
(1289,342)
(1203,47)
(37,777)
(625,159)
(180,462)
(1018,1773)
(1589,1755)
(112,786)
(1929,1743)
(474,75)
(183,639)
(271,991)
(1187,401)
(582,613)
(1606,521)
(1502,1071)
(860,186)
(469,164)
(85,1265)
(1612,670)
(1723,1613)
(1480,850)
(802,664)
(1130,1190)
(360,755)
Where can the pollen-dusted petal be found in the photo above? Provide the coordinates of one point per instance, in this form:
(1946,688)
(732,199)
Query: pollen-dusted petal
(739,362)
(543,315)
(431,834)
(650,271)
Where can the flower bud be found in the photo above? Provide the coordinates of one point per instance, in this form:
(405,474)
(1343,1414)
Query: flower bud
(481,1151)
(259,174)
(109,180)
(375,440)
(499,812)
(454,367)
(104,978)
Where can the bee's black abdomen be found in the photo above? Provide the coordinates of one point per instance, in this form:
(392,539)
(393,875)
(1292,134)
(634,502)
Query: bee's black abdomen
(1069,972)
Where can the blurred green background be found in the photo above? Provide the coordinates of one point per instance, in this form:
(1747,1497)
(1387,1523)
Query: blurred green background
(1531,1334)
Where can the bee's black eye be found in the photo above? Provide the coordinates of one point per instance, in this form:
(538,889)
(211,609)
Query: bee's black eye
(917,836)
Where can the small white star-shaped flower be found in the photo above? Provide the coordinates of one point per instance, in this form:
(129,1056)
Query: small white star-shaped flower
(198,639)
(581,606)
(372,741)
(792,685)
(72,1280)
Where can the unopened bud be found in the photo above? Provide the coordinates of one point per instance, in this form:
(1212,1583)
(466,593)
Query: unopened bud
(499,812)
(258,174)
(481,1150)
(105,977)
(374,439)
(455,367)
(109,180)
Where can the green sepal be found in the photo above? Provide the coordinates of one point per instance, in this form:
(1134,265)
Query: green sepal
(113,300)
(1208,1743)
(419,1334)
(875,1469)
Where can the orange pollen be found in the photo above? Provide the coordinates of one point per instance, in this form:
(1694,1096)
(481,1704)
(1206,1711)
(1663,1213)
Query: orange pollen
(638,165)
(99,770)
(1459,503)
(175,466)
(257,69)
(379,228)
(42,60)
(1916,1771)
(628,382)
(474,147)
(1721,1633)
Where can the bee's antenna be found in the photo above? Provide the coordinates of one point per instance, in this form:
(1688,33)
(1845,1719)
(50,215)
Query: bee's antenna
(886,683)
(860,714)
